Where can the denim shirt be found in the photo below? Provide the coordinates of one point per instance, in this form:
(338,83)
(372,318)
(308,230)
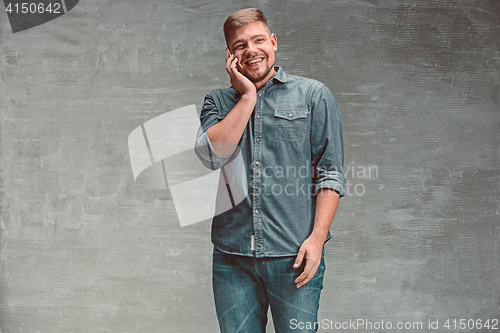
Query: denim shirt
(291,147)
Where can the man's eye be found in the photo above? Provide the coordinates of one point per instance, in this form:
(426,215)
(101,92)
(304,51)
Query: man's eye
(260,40)
(238,46)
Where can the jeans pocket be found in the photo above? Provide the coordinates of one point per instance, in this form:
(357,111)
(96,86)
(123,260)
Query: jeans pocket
(290,124)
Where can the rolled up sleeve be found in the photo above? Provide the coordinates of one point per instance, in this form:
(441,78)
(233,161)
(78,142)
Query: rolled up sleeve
(203,146)
(327,144)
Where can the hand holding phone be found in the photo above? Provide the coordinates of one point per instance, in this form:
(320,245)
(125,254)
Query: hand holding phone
(238,65)
(237,74)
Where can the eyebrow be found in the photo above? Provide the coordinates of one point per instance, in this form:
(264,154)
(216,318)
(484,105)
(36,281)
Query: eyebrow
(253,37)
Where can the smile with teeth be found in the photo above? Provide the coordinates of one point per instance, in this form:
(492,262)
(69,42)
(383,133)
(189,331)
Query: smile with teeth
(254,61)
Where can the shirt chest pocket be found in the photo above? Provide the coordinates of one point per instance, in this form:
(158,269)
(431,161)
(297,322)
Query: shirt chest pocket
(290,124)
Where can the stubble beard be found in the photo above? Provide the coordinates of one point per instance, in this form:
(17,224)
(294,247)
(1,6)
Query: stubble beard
(263,76)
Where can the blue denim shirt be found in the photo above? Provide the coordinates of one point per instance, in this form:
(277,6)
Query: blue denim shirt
(292,147)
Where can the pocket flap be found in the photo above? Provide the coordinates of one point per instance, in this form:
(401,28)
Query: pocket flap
(290,114)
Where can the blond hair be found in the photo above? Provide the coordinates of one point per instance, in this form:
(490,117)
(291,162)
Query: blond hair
(242,17)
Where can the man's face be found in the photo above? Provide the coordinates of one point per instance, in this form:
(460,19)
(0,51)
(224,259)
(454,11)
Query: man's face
(254,48)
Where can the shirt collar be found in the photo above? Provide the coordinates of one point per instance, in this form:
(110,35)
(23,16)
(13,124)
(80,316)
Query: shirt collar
(280,74)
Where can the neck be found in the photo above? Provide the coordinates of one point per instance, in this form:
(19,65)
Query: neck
(259,85)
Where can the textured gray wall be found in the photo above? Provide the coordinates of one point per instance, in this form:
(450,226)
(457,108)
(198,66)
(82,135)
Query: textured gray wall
(85,249)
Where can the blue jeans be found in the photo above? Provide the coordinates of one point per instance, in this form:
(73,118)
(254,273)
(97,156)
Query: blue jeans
(244,287)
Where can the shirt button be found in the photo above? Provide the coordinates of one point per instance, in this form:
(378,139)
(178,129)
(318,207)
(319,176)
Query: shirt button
(257,163)
(256,211)
(257,140)
(290,115)
(258,116)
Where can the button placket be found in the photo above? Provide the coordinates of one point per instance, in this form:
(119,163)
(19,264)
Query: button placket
(257,148)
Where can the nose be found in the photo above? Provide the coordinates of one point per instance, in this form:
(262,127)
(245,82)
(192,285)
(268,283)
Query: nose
(251,49)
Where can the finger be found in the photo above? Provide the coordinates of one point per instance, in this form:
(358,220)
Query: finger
(228,60)
(309,270)
(300,257)
(234,62)
(240,67)
(307,275)
(304,274)
(303,282)
(234,68)
(301,277)
(231,66)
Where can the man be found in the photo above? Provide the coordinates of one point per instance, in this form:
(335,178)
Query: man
(268,249)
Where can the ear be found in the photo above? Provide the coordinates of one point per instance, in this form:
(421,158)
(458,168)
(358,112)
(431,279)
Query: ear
(274,41)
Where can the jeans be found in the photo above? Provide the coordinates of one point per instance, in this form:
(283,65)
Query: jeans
(244,288)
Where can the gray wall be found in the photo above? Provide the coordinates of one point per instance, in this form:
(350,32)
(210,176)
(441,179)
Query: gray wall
(85,249)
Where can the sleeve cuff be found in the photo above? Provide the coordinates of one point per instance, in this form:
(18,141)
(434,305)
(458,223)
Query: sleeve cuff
(331,179)
(206,153)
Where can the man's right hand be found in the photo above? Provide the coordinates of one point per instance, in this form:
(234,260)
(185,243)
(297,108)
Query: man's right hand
(238,80)
(226,134)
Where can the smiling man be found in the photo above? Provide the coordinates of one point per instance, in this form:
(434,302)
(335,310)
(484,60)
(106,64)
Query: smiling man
(268,249)
(254,45)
